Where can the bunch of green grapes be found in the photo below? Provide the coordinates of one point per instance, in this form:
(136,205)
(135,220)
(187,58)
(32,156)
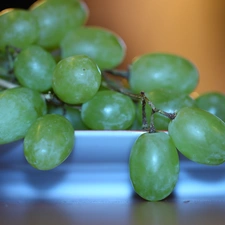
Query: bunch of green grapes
(154,162)
(194,128)
(51,67)
(58,75)
(174,122)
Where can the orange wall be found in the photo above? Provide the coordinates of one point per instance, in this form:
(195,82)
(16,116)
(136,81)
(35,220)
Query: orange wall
(194,29)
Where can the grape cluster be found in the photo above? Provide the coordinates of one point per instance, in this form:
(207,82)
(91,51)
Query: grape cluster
(59,75)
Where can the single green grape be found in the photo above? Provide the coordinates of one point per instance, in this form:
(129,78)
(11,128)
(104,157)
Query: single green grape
(34,67)
(162,71)
(71,113)
(56,18)
(48,142)
(213,102)
(108,110)
(76,79)
(106,48)
(154,166)
(19,108)
(164,100)
(199,135)
(18,28)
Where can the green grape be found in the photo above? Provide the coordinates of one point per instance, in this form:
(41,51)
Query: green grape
(136,125)
(108,110)
(48,142)
(199,135)
(19,108)
(56,18)
(76,79)
(106,48)
(154,166)
(70,113)
(164,100)
(213,102)
(163,71)
(34,67)
(18,28)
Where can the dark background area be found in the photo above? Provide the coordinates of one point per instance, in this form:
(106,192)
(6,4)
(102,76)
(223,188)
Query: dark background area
(15,4)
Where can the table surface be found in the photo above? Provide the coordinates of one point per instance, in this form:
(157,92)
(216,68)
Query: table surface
(124,212)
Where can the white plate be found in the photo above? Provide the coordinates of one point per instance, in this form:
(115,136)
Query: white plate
(97,169)
(104,146)
(90,146)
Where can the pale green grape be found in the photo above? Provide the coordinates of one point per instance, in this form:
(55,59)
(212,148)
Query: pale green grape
(106,48)
(164,100)
(154,166)
(19,108)
(199,135)
(70,113)
(34,67)
(163,71)
(76,79)
(18,28)
(56,18)
(48,142)
(108,110)
(213,102)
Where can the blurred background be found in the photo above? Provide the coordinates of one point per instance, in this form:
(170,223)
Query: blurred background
(194,29)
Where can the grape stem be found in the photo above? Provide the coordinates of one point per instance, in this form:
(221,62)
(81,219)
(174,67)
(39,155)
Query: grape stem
(139,97)
(120,73)
(7,84)
(152,128)
(49,97)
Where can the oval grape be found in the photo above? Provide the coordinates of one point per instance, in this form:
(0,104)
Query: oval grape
(18,28)
(154,166)
(108,110)
(213,102)
(56,18)
(105,47)
(49,142)
(33,67)
(19,108)
(71,113)
(163,71)
(199,135)
(76,79)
